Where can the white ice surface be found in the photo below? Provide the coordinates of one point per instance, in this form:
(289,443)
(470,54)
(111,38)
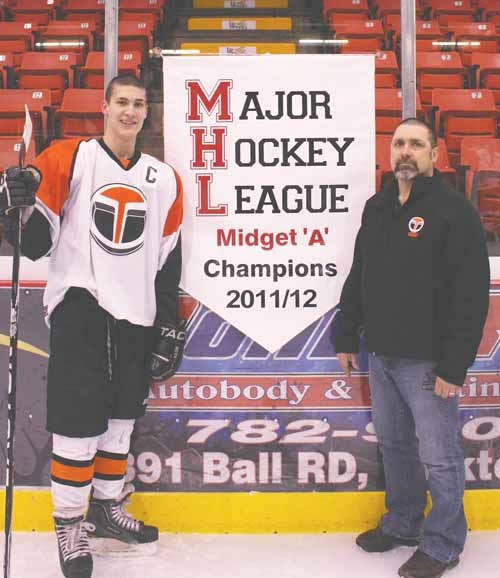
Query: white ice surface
(252,556)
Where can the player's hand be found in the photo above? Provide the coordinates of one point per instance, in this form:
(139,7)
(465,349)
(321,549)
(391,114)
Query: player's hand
(348,361)
(18,188)
(445,389)
(167,355)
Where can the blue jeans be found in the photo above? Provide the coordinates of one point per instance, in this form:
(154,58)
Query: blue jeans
(418,432)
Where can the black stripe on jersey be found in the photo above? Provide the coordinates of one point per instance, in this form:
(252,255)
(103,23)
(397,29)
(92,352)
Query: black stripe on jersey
(111,455)
(72,463)
(132,161)
(71,483)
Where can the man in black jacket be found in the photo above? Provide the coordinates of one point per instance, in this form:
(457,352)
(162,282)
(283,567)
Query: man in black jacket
(418,290)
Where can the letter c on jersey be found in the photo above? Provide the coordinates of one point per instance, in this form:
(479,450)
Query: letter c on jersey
(118,218)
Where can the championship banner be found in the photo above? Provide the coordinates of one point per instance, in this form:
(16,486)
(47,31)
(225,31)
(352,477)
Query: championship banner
(275,178)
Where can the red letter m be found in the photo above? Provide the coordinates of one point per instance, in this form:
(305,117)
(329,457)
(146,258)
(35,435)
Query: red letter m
(218,97)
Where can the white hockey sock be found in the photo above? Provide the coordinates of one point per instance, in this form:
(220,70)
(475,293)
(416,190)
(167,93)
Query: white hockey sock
(111,459)
(72,470)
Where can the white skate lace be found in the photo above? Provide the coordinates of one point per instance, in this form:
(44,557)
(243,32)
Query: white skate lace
(122,518)
(73,540)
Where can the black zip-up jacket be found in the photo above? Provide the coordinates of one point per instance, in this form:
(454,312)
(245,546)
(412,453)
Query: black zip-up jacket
(420,294)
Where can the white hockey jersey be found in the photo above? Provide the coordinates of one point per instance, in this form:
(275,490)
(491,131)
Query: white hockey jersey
(112,226)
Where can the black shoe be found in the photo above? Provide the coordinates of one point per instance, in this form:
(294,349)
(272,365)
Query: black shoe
(74,552)
(377,541)
(109,519)
(421,565)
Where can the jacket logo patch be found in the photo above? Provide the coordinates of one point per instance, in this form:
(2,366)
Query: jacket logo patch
(415,225)
(118,218)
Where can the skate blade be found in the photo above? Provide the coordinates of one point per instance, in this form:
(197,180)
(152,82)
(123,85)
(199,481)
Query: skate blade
(110,548)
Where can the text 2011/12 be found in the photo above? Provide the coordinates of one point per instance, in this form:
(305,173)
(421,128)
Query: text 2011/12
(278,299)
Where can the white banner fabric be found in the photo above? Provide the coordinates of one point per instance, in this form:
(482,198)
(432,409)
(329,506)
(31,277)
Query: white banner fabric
(277,157)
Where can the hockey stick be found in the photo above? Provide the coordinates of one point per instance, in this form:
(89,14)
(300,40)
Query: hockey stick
(11,396)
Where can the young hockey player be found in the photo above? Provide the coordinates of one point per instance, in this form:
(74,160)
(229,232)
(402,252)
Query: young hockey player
(110,217)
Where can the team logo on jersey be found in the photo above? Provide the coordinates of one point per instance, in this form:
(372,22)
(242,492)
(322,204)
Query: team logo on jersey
(118,218)
(415,225)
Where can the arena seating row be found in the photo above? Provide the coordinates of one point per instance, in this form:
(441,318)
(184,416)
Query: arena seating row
(370,35)
(41,12)
(59,71)
(445,11)
(78,115)
(71,36)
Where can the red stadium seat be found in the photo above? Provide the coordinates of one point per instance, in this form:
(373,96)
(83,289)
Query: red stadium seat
(491,11)
(85,11)
(9,152)
(463,112)
(428,34)
(80,113)
(472,37)
(478,154)
(487,187)
(16,38)
(51,70)
(359,36)
(6,64)
(443,163)
(92,74)
(438,70)
(386,7)
(37,11)
(70,36)
(487,73)
(383,158)
(133,35)
(386,69)
(447,11)
(141,10)
(480,158)
(390,12)
(12,113)
(346,9)
(388,107)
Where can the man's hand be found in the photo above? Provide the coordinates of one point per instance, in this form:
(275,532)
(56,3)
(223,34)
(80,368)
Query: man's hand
(445,389)
(348,361)
(18,188)
(167,355)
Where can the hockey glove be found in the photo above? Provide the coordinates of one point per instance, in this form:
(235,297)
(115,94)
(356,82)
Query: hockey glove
(167,355)
(18,188)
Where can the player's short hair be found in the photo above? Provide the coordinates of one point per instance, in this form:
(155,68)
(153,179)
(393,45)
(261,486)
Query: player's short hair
(416,121)
(123,80)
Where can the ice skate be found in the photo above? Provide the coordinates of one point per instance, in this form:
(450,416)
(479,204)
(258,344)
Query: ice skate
(113,531)
(74,550)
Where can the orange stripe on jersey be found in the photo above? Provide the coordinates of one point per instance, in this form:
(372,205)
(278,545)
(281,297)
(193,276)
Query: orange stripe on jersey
(110,467)
(174,217)
(56,165)
(66,473)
